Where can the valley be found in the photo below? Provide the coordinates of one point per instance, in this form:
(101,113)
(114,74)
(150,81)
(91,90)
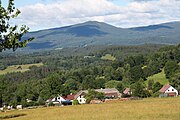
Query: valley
(90,60)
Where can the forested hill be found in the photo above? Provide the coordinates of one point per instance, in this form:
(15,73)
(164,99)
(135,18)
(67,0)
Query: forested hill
(99,33)
(65,74)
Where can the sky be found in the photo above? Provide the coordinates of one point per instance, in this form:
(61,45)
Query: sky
(44,14)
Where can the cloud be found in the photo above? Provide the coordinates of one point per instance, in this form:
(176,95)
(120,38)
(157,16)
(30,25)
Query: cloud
(144,0)
(61,13)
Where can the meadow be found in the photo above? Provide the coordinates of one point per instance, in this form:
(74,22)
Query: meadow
(14,68)
(146,109)
(159,77)
(108,57)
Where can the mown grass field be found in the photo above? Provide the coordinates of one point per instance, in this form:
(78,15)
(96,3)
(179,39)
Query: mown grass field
(146,109)
(14,68)
(108,57)
(160,77)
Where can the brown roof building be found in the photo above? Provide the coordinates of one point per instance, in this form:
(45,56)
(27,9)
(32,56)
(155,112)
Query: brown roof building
(108,92)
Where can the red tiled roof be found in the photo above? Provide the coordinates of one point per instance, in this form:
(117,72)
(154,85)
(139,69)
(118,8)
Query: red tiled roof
(164,88)
(70,97)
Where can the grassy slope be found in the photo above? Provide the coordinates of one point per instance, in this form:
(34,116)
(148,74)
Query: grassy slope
(147,109)
(13,68)
(108,57)
(160,77)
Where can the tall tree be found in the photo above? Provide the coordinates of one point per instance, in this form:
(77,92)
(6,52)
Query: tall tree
(11,35)
(170,68)
(136,73)
(2,88)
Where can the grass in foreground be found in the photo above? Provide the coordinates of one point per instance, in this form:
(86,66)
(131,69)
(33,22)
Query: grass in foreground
(14,68)
(160,77)
(147,109)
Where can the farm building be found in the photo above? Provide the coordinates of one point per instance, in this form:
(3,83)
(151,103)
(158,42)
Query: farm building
(109,93)
(59,100)
(168,90)
(80,96)
(127,91)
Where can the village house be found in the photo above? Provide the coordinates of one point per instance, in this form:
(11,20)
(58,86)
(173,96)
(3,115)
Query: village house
(61,100)
(109,93)
(127,91)
(56,100)
(168,90)
(80,96)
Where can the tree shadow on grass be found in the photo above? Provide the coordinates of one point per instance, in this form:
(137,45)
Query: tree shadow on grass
(12,116)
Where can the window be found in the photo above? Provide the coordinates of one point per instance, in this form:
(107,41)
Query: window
(80,100)
(172,89)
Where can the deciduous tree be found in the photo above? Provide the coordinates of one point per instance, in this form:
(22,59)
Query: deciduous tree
(11,35)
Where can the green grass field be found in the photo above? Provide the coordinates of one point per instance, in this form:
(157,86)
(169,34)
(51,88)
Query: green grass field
(13,68)
(160,77)
(108,57)
(146,109)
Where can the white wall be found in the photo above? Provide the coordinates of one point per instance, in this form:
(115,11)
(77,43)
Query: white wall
(171,89)
(81,100)
(59,99)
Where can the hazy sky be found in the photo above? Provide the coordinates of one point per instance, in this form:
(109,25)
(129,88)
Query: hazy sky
(43,14)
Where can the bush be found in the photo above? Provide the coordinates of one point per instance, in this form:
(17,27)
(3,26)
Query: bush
(156,94)
(75,102)
(51,104)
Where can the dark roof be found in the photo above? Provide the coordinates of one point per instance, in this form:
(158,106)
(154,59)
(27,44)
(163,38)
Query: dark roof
(164,88)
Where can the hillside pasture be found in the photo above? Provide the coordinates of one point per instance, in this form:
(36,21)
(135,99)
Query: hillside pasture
(146,109)
(19,68)
(159,77)
(108,57)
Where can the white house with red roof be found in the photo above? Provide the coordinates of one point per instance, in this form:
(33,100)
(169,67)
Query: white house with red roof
(56,100)
(168,90)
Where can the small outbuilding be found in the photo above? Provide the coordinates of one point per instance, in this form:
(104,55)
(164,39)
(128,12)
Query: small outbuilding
(168,90)
(127,91)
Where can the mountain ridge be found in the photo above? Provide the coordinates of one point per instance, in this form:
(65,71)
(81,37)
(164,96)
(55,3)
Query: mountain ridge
(100,33)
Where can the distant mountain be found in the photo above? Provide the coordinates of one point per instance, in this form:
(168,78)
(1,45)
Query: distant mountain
(99,33)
